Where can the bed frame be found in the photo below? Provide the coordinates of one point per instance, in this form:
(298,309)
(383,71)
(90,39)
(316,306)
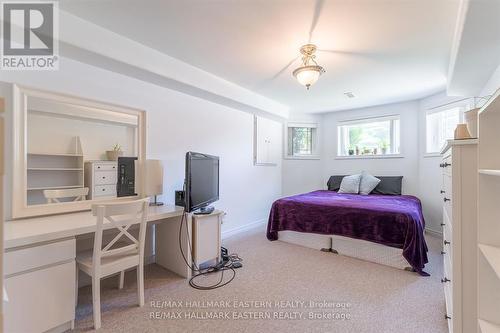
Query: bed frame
(356,248)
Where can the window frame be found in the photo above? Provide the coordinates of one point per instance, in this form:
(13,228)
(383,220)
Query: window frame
(392,133)
(462,109)
(288,155)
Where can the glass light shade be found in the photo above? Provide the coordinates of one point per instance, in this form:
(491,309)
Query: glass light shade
(308,75)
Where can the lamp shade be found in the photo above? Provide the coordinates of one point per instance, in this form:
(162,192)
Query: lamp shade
(153,180)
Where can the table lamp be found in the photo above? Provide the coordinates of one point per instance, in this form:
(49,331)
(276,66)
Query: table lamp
(154,180)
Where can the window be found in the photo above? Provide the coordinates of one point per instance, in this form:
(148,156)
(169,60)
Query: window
(440,127)
(369,137)
(302,140)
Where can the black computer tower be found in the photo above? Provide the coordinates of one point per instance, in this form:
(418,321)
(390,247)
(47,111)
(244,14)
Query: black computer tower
(126,176)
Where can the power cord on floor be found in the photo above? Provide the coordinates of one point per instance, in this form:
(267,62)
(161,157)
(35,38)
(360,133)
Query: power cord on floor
(228,263)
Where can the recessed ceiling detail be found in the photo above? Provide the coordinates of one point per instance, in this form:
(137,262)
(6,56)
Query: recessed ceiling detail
(385,51)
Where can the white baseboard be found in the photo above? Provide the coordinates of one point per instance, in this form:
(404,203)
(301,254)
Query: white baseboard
(434,233)
(249,226)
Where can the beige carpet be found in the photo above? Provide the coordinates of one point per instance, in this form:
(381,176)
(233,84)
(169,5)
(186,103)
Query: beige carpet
(373,297)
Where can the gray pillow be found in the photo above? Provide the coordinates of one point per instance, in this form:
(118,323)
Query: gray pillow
(367,183)
(350,184)
(389,185)
(334,183)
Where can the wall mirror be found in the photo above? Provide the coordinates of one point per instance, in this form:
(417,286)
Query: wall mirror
(70,152)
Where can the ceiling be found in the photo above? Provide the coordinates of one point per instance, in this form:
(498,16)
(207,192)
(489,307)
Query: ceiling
(383,51)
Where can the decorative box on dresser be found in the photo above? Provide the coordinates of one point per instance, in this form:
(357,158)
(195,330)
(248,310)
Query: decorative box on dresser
(459,191)
(101,178)
(488,227)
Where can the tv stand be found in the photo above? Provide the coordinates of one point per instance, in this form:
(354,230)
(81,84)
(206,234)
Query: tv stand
(204,210)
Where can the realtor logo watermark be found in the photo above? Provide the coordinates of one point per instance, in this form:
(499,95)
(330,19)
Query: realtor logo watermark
(30,35)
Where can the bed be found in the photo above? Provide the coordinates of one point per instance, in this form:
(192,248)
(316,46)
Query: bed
(386,228)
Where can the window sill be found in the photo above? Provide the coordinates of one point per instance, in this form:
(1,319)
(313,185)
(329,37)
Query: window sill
(432,155)
(311,157)
(375,157)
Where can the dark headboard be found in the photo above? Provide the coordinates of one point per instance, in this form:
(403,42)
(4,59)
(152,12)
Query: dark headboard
(391,185)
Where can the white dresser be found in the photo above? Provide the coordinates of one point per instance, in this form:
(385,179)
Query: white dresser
(101,178)
(459,192)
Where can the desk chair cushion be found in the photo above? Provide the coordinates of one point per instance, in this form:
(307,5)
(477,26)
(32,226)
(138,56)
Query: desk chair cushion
(110,264)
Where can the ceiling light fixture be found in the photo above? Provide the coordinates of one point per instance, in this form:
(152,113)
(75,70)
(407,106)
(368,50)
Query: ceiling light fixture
(309,72)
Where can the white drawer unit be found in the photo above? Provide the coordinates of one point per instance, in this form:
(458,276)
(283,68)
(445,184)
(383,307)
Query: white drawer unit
(40,286)
(459,195)
(101,178)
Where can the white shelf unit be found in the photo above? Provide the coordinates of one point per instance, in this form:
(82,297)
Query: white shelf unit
(51,171)
(487,327)
(492,256)
(489,172)
(489,216)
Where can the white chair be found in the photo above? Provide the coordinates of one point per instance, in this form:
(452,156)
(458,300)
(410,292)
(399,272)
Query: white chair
(53,196)
(115,257)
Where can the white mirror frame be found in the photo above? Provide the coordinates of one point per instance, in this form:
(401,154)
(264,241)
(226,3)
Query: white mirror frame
(20,208)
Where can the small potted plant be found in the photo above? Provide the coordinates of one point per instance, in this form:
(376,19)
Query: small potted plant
(384,147)
(113,155)
(351,150)
(366,151)
(357,150)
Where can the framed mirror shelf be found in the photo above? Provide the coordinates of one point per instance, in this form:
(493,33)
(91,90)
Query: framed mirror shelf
(66,151)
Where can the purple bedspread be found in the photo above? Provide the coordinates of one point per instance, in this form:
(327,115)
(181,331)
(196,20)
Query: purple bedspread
(392,220)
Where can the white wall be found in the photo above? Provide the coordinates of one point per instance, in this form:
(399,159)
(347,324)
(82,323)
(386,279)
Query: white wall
(493,83)
(406,166)
(176,123)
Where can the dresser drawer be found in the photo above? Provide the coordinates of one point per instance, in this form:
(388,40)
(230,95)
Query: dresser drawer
(449,210)
(24,259)
(447,235)
(448,296)
(40,300)
(447,185)
(447,266)
(105,167)
(105,177)
(446,164)
(105,190)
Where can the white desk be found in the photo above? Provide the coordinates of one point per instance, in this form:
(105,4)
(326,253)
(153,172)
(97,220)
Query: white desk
(48,228)
(40,263)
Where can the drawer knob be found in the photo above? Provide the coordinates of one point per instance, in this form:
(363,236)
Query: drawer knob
(103,177)
(444,280)
(447,317)
(103,189)
(442,191)
(446,164)
(446,199)
(443,253)
(443,224)
(446,242)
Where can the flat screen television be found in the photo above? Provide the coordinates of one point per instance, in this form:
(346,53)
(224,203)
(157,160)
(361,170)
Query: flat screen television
(202,181)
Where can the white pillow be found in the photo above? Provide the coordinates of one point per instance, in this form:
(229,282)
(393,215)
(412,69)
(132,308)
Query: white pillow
(350,184)
(367,183)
